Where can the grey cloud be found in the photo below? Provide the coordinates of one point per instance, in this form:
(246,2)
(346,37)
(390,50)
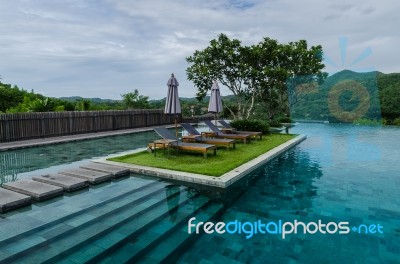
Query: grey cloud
(106,48)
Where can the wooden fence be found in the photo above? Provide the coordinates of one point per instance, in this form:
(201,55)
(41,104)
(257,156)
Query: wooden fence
(22,126)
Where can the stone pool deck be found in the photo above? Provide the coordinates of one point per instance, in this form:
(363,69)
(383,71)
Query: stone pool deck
(62,139)
(223,181)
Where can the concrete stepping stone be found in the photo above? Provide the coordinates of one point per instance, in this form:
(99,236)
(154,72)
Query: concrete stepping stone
(37,190)
(68,183)
(93,177)
(10,200)
(101,167)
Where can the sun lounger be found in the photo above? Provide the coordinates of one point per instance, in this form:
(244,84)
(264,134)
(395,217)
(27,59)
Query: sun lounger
(200,139)
(203,148)
(228,126)
(218,133)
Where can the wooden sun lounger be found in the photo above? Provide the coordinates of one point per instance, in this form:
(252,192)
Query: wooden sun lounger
(203,148)
(218,133)
(196,136)
(232,130)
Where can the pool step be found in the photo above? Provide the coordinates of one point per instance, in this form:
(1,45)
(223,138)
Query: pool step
(169,250)
(138,237)
(10,200)
(68,183)
(94,177)
(164,236)
(37,190)
(101,167)
(81,232)
(13,247)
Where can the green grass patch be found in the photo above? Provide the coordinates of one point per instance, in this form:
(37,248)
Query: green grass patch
(224,161)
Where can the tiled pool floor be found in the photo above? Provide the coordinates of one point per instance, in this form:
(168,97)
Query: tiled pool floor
(340,173)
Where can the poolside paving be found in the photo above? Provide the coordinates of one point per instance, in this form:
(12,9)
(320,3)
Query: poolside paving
(100,167)
(55,140)
(37,190)
(93,177)
(68,183)
(10,200)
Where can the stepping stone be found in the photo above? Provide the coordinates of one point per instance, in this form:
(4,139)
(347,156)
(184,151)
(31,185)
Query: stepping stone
(37,190)
(68,183)
(10,200)
(101,167)
(93,177)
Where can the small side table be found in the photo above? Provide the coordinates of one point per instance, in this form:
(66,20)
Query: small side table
(163,143)
(190,138)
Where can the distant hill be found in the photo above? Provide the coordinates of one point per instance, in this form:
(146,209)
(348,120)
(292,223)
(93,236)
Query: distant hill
(370,95)
(193,99)
(94,100)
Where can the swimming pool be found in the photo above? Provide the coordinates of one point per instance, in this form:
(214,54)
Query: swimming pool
(340,173)
(25,162)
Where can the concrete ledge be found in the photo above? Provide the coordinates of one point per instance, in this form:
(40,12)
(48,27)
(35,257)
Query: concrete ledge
(68,183)
(222,182)
(37,190)
(71,138)
(115,171)
(93,177)
(10,200)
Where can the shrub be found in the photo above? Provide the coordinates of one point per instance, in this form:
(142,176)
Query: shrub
(285,119)
(275,123)
(251,125)
(396,121)
(367,122)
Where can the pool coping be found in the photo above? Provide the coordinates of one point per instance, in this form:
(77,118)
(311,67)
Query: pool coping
(4,146)
(223,181)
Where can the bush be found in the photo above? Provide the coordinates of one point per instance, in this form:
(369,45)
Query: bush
(275,123)
(285,119)
(396,121)
(251,125)
(367,122)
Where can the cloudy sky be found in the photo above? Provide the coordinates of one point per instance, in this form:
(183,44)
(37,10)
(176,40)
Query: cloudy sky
(104,48)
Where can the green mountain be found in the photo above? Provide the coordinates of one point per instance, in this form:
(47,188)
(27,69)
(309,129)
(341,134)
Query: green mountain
(347,96)
(94,100)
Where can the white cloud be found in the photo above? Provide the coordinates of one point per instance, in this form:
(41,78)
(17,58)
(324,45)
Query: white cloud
(108,47)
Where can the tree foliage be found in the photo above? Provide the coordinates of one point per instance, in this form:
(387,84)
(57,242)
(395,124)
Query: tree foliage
(381,90)
(257,73)
(135,100)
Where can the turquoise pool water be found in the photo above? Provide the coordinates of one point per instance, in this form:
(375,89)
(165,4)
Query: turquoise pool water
(340,173)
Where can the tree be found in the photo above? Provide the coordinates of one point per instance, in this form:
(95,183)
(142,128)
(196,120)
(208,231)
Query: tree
(259,72)
(135,101)
(83,105)
(225,61)
(9,96)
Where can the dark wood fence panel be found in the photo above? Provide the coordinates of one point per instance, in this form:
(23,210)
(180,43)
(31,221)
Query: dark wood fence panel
(22,126)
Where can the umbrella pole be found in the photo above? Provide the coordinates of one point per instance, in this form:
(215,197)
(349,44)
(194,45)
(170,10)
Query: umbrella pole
(215,118)
(176,127)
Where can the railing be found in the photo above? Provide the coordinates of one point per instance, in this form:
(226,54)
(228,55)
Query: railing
(23,126)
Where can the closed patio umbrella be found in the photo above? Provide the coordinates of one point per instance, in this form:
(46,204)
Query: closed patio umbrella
(215,104)
(172,104)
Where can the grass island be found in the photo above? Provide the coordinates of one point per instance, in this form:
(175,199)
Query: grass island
(218,165)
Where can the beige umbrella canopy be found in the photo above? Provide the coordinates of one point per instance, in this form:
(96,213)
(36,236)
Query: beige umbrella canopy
(172,104)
